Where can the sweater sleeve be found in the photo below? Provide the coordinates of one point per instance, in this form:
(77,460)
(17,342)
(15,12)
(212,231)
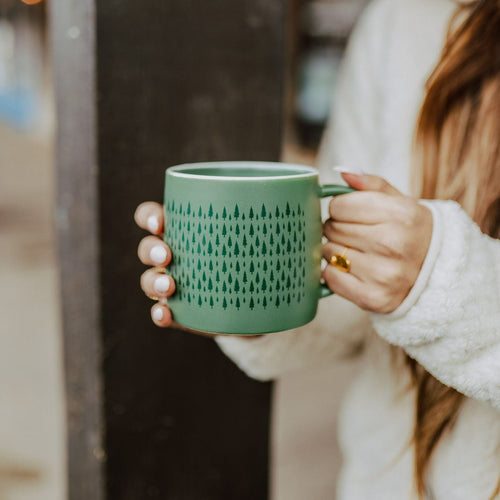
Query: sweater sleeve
(450,322)
(340,327)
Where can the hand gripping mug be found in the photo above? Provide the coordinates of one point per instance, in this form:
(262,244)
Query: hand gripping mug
(246,245)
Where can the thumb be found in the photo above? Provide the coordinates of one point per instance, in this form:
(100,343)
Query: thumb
(364,182)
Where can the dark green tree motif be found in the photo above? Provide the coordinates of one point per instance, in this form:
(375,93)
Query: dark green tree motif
(224,287)
(224,250)
(263,211)
(251,251)
(238,304)
(289,227)
(210,211)
(264,266)
(199,228)
(278,229)
(288,299)
(224,303)
(278,266)
(287,211)
(288,282)
(244,242)
(264,249)
(263,286)
(211,302)
(200,302)
(251,230)
(224,213)
(283,239)
(199,248)
(277,301)
(237,266)
(257,278)
(271,276)
(251,287)
(224,267)
(252,267)
(198,266)
(210,285)
(200,212)
(277,213)
(204,277)
(252,303)
(211,229)
(188,211)
(264,229)
(264,302)
(229,242)
(236,212)
(278,285)
(245,277)
(230,278)
(217,276)
(257,242)
(251,215)
(224,230)
(199,285)
(210,266)
(236,286)
(217,240)
(237,230)
(288,246)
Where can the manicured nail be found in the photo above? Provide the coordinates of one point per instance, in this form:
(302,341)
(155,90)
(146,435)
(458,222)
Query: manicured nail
(158,313)
(158,254)
(348,170)
(161,284)
(153,223)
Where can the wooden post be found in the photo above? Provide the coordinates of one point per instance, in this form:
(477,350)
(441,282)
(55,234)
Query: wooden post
(141,86)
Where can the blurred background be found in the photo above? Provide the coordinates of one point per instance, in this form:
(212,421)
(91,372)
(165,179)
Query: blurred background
(32,428)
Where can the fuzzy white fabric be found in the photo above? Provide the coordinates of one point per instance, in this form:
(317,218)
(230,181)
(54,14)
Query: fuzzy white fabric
(450,321)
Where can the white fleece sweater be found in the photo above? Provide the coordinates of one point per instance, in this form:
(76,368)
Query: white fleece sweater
(450,322)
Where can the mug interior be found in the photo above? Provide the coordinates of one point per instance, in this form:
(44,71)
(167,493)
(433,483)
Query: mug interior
(239,170)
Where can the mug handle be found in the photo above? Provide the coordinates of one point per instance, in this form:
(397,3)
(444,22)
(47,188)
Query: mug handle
(324,191)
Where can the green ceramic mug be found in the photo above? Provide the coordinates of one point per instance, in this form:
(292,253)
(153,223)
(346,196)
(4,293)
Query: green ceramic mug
(246,245)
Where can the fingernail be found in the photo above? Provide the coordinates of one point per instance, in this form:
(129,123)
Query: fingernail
(153,223)
(158,254)
(158,313)
(348,170)
(161,284)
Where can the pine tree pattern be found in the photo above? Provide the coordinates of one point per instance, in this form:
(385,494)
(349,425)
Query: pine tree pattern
(231,258)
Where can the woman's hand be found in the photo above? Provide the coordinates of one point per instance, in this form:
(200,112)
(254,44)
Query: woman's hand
(385,235)
(153,251)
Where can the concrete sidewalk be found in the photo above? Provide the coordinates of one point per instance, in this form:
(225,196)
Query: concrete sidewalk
(31,404)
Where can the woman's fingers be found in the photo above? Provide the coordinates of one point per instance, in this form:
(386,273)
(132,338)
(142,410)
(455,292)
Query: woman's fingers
(149,216)
(161,315)
(153,251)
(156,284)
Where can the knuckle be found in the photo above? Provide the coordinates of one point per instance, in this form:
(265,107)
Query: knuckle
(376,299)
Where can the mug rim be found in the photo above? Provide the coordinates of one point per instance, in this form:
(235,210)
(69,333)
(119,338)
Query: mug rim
(185,170)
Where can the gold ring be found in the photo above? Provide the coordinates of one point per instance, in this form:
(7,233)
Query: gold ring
(161,270)
(341,262)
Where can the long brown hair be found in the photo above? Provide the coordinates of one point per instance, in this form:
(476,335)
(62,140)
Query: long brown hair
(458,158)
